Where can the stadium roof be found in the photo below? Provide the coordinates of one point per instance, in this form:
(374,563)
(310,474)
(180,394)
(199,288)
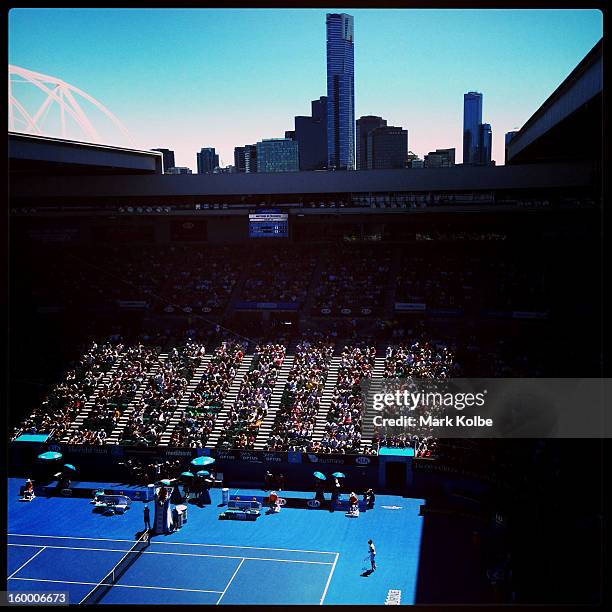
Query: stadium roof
(41,155)
(458,178)
(568,125)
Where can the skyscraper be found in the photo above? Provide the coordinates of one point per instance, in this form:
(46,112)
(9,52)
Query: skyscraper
(277,155)
(245,158)
(387,147)
(239,161)
(340,92)
(168,158)
(485,144)
(207,160)
(364,126)
(472,119)
(311,134)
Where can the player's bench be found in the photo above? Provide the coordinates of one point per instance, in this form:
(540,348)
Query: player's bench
(242,510)
(111,504)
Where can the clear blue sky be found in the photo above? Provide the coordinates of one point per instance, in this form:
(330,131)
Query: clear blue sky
(191,78)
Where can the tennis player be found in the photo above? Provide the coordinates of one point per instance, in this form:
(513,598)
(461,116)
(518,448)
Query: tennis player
(372,553)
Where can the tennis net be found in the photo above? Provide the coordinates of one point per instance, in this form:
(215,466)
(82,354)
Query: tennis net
(97,593)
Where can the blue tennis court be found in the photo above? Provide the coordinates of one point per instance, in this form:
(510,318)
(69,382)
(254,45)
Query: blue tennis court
(299,556)
(195,573)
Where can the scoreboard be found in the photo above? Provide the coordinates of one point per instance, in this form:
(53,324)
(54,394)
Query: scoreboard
(269,224)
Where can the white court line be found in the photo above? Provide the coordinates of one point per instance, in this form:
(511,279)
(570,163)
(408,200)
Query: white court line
(329,579)
(230,581)
(314,552)
(30,559)
(175,554)
(123,586)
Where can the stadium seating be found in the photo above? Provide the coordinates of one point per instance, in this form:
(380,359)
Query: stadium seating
(251,406)
(198,417)
(294,424)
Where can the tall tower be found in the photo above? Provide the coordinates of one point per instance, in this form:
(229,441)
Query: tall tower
(472,118)
(340,92)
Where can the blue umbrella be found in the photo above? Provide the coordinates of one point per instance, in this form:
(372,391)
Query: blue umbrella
(339,475)
(320,476)
(166,482)
(50,456)
(202,461)
(69,466)
(203,473)
(187,474)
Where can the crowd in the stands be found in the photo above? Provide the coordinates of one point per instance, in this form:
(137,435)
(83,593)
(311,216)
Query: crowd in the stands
(251,406)
(355,280)
(343,429)
(113,395)
(197,419)
(164,278)
(435,282)
(352,283)
(406,365)
(198,280)
(279,276)
(296,418)
(165,387)
(140,396)
(60,407)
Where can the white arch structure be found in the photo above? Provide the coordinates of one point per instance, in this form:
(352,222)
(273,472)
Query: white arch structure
(63,94)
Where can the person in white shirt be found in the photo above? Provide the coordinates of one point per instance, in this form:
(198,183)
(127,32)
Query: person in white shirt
(372,553)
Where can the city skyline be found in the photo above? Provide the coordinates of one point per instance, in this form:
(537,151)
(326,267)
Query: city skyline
(207,93)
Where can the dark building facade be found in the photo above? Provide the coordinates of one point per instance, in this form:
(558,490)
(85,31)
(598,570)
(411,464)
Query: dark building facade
(311,135)
(440,158)
(340,92)
(472,119)
(507,138)
(387,147)
(239,160)
(208,160)
(485,143)
(168,157)
(245,159)
(365,125)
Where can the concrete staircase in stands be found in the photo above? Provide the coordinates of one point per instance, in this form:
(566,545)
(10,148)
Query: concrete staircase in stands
(229,400)
(127,413)
(375,386)
(184,401)
(89,404)
(275,401)
(326,398)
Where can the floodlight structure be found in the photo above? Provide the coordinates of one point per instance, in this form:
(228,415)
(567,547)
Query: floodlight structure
(56,91)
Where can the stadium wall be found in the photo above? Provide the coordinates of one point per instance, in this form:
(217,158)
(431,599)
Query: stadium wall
(424,477)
